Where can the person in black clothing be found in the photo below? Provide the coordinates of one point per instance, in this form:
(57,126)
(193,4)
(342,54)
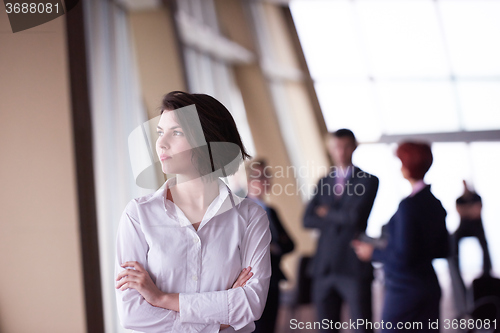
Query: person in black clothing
(340,210)
(415,235)
(259,181)
(469,208)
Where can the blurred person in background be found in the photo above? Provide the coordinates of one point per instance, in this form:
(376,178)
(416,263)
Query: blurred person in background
(259,181)
(416,234)
(469,206)
(340,210)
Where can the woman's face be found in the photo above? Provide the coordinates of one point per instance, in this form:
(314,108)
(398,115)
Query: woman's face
(405,172)
(172,146)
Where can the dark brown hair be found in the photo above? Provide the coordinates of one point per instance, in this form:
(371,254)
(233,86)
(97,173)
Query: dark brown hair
(344,133)
(218,126)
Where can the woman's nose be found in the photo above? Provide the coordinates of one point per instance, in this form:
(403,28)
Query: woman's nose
(162,142)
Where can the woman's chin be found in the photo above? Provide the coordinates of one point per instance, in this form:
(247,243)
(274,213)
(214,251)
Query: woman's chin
(168,170)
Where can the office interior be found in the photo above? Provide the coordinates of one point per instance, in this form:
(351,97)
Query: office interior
(73,90)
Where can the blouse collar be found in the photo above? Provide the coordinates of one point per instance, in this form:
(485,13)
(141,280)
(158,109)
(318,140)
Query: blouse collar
(417,187)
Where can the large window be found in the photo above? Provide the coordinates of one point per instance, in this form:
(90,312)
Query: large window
(395,68)
(209,57)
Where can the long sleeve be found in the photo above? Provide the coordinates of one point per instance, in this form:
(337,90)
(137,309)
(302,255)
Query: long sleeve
(279,235)
(380,245)
(240,306)
(403,246)
(134,311)
(311,219)
(416,234)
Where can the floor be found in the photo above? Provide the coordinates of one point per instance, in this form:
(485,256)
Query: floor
(306,313)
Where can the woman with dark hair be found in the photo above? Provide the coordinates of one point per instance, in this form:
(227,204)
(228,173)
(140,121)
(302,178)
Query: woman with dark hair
(193,257)
(416,234)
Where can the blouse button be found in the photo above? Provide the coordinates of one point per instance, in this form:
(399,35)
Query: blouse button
(195,278)
(195,239)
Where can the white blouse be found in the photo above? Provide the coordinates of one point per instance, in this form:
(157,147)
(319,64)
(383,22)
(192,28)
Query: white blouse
(199,265)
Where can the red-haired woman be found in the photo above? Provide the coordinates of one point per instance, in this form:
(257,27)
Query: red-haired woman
(416,234)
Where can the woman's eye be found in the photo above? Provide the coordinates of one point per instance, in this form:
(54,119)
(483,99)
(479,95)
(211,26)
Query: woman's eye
(159,133)
(177,133)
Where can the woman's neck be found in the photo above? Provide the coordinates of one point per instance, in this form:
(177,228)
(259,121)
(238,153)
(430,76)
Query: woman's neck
(416,185)
(194,191)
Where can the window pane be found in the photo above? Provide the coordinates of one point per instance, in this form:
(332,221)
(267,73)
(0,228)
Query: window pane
(485,159)
(417,107)
(328,36)
(472,30)
(403,38)
(350,105)
(379,160)
(480,102)
(451,165)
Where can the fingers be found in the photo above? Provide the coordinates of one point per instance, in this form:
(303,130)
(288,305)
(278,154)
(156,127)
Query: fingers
(244,276)
(135,270)
(133,264)
(130,278)
(125,283)
(248,278)
(122,284)
(127,272)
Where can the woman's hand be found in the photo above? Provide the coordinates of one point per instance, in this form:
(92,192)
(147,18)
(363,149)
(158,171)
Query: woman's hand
(321,211)
(136,277)
(242,279)
(363,250)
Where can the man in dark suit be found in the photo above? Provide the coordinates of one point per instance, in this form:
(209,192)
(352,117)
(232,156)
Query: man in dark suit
(340,210)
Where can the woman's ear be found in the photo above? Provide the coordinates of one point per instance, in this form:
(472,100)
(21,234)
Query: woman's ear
(405,172)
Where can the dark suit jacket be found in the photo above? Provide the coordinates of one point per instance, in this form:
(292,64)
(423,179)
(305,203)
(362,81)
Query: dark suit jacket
(280,238)
(416,234)
(346,220)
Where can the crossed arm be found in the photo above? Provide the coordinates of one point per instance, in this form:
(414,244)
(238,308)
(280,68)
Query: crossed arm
(143,307)
(136,277)
(351,212)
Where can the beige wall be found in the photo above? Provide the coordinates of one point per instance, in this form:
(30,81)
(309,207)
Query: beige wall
(41,287)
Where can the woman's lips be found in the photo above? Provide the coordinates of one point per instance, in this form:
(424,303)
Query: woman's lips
(165,157)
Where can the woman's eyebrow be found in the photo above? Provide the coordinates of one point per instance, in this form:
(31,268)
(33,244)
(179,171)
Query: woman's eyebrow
(172,128)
